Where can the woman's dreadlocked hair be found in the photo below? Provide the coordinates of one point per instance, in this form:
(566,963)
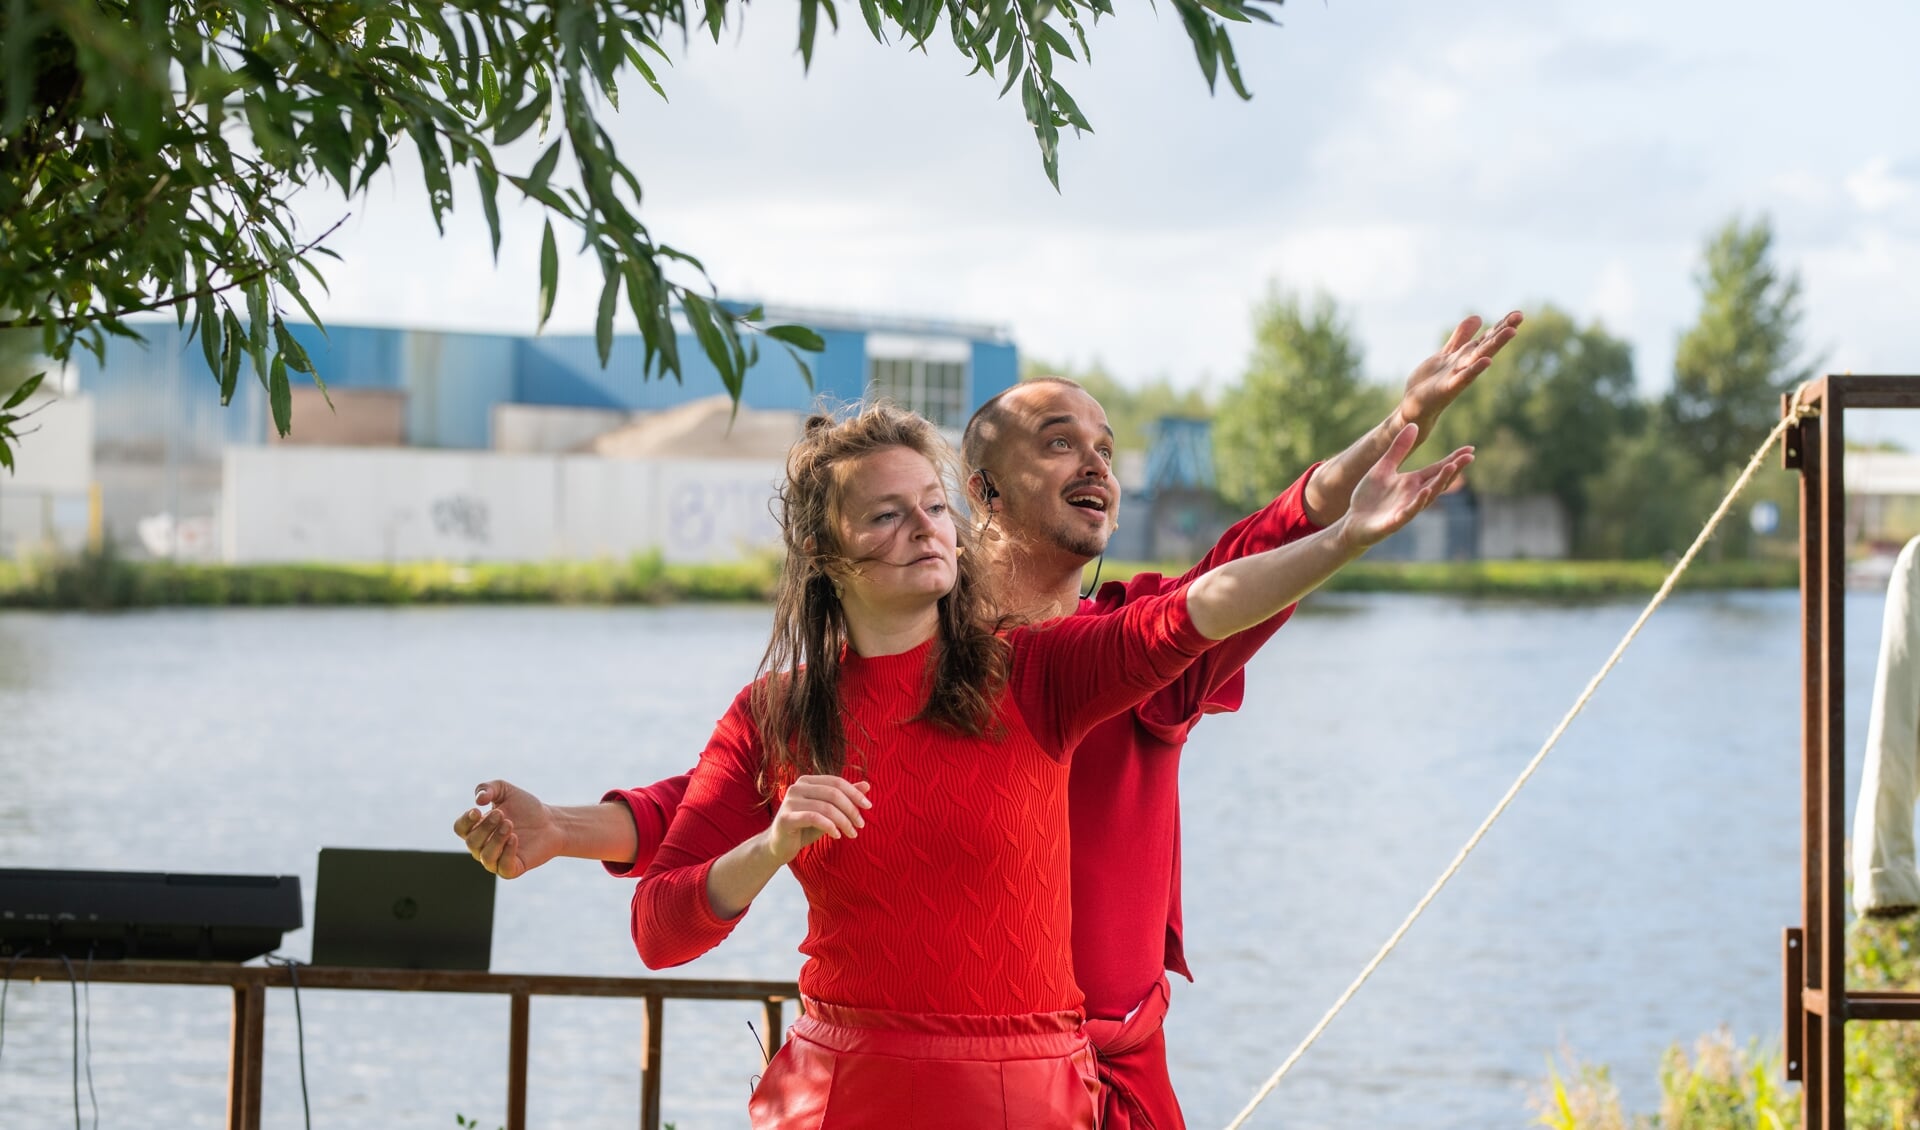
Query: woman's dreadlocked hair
(796,701)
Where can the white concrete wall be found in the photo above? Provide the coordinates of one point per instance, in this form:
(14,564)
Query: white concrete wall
(1530,526)
(55,450)
(342,504)
(43,503)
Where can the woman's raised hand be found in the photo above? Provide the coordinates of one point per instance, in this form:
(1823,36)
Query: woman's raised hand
(1388,498)
(815,806)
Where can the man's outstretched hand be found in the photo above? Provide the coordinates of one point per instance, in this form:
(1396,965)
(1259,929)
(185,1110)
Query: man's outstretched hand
(516,834)
(1436,383)
(1439,380)
(1388,498)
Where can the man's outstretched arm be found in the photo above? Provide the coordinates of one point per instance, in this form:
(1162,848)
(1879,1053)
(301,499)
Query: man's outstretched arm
(519,832)
(1319,498)
(1434,384)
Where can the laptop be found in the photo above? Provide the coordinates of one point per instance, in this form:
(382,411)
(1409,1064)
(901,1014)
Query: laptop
(402,910)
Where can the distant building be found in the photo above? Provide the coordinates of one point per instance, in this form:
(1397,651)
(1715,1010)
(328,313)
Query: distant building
(161,437)
(1171,508)
(1449,530)
(1467,525)
(1883,498)
(47,500)
(1883,512)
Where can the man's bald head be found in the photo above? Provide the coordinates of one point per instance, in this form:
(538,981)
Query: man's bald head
(990,419)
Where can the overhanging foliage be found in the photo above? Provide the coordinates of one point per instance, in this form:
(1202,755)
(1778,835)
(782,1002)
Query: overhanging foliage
(149,149)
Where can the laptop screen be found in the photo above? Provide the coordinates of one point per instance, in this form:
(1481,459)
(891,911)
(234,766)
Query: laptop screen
(402,910)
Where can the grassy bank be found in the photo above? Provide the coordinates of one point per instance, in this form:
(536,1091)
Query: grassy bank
(104,581)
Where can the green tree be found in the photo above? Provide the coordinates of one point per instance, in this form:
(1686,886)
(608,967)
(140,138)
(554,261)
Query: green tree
(1548,414)
(1647,498)
(1301,398)
(149,149)
(1741,354)
(1131,409)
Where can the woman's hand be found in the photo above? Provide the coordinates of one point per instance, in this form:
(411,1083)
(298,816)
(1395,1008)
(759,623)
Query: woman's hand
(815,806)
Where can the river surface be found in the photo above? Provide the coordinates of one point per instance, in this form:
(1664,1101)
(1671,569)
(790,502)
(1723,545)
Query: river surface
(1632,898)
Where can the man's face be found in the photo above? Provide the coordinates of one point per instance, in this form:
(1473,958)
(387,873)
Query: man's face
(1051,460)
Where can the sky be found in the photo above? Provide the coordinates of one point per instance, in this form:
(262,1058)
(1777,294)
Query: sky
(1417,161)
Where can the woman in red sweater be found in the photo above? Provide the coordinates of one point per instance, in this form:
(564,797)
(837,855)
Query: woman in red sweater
(907,758)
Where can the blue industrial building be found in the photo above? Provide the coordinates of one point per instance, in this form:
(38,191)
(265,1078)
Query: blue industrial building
(160,400)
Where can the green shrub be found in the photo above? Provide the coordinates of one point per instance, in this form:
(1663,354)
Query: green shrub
(1883,1057)
(1726,1086)
(1589,1101)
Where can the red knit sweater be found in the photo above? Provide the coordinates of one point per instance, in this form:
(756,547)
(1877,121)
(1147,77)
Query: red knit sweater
(955,896)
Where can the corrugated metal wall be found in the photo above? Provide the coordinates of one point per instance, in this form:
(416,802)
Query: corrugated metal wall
(452,380)
(146,394)
(996,368)
(564,371)
(158,400)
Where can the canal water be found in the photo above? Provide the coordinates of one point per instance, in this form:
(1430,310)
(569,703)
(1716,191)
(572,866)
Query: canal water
(1632,898)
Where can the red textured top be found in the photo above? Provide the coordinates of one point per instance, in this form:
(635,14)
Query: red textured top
(954,898)
(1124,794)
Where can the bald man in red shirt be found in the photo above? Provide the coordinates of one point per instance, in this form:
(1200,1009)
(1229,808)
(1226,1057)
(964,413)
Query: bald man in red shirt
(1040,460)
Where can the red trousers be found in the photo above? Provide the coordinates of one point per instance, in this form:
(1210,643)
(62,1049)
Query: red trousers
(1136,1093)
(865,1069)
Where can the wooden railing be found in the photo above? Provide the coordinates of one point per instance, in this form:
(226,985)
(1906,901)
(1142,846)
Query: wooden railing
(251,982)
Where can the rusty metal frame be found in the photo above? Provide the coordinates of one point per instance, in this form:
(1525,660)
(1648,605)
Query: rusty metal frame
(1817,1002)
(251,982)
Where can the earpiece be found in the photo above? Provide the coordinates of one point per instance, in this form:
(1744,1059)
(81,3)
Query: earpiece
(988,493)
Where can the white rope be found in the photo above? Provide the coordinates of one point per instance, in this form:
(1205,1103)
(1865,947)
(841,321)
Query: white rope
(1798,412)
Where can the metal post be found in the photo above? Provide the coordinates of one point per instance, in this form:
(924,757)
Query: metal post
(1812,668)
(1832,705)
(651,1033)
(1795,975)
(774,1016)
(247,1046)
(517,1062)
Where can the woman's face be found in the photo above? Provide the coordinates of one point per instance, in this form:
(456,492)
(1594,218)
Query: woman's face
(897,529)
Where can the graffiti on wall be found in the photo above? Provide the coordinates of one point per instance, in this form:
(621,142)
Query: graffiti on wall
(462,517)
(717,519)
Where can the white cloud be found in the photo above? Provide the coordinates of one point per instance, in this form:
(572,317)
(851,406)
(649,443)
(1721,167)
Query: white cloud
(1613,296)
(1875,187)
(1500,53)
(1357,263)
(1420,98)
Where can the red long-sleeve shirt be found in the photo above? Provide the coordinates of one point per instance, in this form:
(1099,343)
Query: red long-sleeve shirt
(1124,793)
(954,897)
(1124,797)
